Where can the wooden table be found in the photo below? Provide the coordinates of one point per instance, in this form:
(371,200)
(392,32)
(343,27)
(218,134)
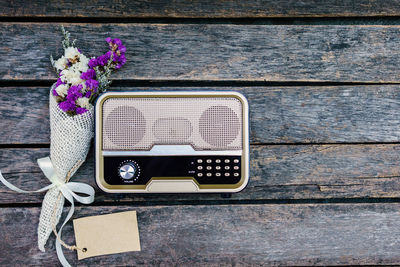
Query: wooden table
(322,80)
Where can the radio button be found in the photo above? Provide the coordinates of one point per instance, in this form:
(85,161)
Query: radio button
(199,167)
(209,167)
(200,174)
(208,174)
(217,161)
(217,167)
(218,174)
(236,174)
(227,167)
(209,161)
(227,161)
(235,161)
(236,167)
(199,161)
(127,171)
(227,174)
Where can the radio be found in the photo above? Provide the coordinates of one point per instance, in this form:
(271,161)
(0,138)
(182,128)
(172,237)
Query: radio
(172,142)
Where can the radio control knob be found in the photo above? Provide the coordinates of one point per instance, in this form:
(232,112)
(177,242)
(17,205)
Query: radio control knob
(128,171)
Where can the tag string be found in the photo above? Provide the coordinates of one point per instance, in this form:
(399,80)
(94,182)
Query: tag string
(54,217)
(68,190)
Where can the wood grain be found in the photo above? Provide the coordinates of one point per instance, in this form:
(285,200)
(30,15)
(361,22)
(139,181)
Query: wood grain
(214,52)
(241,235)
(337,114)
(196,9)
(276,172)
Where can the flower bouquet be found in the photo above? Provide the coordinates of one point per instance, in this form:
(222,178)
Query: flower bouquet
(80,81)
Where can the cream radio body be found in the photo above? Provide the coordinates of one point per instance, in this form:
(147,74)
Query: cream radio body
(172,142)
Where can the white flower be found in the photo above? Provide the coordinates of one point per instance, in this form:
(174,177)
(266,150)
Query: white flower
(71,75)
(83,102)
(83,63)
(63,79)
(75,81)
(60,63)
(71,52)
(82,66)
(62,89)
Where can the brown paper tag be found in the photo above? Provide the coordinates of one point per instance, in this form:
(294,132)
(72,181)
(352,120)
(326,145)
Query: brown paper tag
(107,234)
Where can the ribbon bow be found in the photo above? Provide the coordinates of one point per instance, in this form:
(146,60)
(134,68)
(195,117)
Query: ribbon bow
(68,189)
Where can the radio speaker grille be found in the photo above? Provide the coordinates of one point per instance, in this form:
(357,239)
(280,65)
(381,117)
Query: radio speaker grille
(131,123)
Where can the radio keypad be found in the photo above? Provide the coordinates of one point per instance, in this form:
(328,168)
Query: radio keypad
(230,166)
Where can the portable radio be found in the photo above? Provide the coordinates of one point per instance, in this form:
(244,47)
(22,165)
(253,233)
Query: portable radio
(166,142)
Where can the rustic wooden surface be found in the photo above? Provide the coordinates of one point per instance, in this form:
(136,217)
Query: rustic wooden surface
(324,107)
(222,52)
(317,114)
(277,172)
(234,235)
(198,8)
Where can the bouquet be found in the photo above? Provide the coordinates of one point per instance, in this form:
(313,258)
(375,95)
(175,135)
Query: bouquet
(80,81)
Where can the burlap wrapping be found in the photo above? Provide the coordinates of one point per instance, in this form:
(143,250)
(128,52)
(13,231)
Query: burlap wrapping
(70,138)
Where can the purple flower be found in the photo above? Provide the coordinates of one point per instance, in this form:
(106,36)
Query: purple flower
(59,82)
(80,110)
(75,89)
(122,48)
(67,106)
(92,84)
(88,75)
(55,92)
(93,63)
(108,39)
(115,57)
(103,59)
(122,59)
(74,92)
(119,60)
(88,94)
(72,97)
(117,41)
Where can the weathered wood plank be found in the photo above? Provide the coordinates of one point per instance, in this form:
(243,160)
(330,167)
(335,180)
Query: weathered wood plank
(241,235)
(276,172)
(338,114)
(214,51)
(197,9)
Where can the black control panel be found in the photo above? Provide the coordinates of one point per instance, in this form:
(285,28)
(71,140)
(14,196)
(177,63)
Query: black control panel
(139,170)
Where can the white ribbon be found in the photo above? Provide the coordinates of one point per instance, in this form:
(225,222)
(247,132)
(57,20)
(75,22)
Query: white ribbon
(68,190)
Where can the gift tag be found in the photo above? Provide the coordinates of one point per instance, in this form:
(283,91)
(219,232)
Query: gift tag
(106,234)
